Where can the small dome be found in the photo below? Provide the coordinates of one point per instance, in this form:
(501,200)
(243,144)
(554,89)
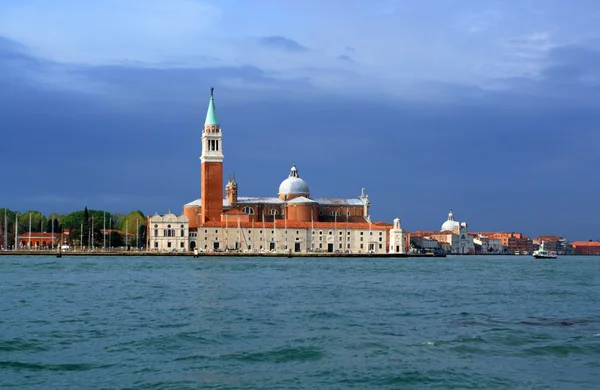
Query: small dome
(293,185)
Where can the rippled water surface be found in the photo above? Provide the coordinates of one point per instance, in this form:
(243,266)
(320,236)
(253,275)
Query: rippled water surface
(303,323)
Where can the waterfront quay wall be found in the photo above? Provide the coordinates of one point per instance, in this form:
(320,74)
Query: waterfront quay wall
(208,254)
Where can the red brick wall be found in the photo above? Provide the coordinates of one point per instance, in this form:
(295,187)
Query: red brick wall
(212,191)
(193,215)
(301,212)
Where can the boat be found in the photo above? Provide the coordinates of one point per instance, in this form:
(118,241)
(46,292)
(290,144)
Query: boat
(542,253)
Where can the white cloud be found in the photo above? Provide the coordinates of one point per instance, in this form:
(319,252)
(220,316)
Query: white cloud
(534,45)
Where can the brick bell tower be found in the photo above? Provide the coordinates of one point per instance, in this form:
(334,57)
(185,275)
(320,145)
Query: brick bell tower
(211,167)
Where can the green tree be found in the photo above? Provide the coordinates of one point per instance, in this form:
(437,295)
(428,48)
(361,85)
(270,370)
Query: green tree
(86,224)
(8,230)
(116,239)
(53,222)
(38,220)
(131,223)
(142,236)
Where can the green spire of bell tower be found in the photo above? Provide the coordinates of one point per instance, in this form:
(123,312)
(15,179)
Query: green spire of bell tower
(211,114)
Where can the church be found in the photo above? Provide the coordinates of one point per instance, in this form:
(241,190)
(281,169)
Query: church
(291,221)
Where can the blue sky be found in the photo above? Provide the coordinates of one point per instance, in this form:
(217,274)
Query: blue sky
(490,108)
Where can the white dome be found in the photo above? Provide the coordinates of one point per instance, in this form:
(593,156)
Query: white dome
(450,225)
(293,185)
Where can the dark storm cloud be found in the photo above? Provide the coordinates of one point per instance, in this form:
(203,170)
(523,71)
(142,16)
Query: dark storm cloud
(133,142)
(571,75)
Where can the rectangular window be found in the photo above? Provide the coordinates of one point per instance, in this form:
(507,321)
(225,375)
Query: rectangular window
(380,246)
(168,244)
(182,233)
(155,232)
(181,245)
(156,244)
(380,238)
(361,246)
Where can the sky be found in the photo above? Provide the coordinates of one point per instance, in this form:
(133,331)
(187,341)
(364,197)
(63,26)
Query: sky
(488,108)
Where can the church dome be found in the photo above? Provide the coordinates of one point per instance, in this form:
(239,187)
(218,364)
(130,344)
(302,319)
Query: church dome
(294,185)
(450,224)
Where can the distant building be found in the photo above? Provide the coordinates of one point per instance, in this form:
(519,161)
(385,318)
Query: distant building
(37,240)
(486,245)
(398,242)
(168,233)
(292,221)
(586,247)
(554,243)
(453,236)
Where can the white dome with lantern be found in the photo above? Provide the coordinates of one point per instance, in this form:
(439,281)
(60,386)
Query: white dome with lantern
(294,185)
(450,224)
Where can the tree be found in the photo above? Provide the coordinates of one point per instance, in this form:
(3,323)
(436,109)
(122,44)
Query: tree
(85,221)
(37,221)
(130,224)
(142,236)
(116,239)
(10,226)
(53,222)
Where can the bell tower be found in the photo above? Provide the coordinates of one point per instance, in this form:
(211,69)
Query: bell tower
(211,167)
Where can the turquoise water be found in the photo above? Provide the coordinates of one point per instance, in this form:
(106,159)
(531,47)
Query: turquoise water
(302,323)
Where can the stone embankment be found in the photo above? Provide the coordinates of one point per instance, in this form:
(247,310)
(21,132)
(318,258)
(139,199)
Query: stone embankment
(205,254)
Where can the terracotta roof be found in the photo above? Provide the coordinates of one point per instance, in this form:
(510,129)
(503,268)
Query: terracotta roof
(38,235)
(585,243)
(234,212)
(549,238)
(299,225)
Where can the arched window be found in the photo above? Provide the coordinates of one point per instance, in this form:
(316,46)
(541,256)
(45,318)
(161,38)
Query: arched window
(335,214)
(248,210)
(273,212)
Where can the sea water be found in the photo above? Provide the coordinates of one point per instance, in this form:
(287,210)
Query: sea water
(300,323)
